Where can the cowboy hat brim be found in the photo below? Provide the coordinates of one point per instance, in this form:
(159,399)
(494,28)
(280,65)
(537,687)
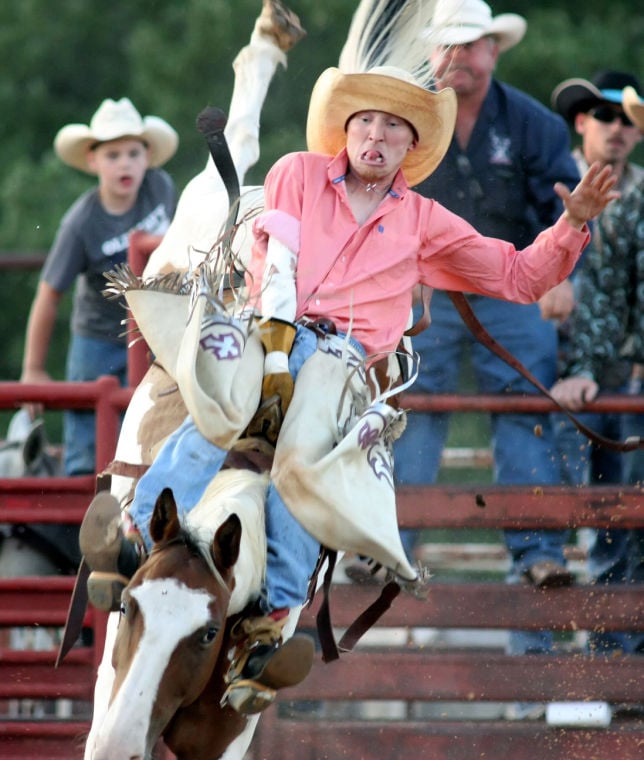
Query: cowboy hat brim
(74,140)
(507,28)
(337,96)
(633,107)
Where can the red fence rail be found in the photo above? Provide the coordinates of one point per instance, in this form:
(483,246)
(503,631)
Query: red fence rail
(413,674)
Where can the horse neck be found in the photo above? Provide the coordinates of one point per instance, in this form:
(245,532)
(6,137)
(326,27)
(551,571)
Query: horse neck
(242,492)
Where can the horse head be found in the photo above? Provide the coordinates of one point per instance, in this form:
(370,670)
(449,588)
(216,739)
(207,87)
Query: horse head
(26,449)
(171,630)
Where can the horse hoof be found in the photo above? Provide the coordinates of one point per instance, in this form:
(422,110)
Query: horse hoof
(280,23)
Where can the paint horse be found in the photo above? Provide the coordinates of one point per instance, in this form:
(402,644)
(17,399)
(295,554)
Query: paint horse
(226,566)
(166,652)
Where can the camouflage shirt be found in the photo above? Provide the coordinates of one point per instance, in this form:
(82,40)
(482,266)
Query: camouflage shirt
(604,335)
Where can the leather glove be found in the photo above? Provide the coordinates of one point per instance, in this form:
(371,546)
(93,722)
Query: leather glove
(277,338)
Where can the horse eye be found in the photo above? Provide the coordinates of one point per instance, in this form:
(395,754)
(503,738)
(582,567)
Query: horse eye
(209,635)
(123,608)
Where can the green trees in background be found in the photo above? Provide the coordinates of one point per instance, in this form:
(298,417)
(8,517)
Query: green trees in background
(173,57)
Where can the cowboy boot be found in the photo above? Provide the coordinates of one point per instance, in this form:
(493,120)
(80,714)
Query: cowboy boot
(280,23)
(262,664)
(112,558)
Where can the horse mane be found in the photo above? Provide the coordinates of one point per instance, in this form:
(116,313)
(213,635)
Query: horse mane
(239,491)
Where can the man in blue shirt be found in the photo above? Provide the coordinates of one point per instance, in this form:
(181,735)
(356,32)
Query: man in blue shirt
(507,152)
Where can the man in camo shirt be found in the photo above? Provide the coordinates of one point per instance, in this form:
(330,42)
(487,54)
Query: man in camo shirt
(603,340)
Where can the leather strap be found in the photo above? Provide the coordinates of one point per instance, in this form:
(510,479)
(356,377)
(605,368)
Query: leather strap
(75,612)
(365,620)
(79,598)
(425,319)
(369,617)
(468,316)
(127,469)
(323,618)
(211,122)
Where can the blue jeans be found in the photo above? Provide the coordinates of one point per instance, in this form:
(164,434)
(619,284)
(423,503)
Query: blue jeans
(188,462)
(87,360)
(520,457)
(615,556)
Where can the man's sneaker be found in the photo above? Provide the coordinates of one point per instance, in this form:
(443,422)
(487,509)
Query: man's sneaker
(262,664)
(112,559)
(364,574)
(549,574)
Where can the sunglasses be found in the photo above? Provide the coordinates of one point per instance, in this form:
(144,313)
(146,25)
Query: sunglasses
(607,115)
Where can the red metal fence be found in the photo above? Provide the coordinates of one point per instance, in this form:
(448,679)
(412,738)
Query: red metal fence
(416,674)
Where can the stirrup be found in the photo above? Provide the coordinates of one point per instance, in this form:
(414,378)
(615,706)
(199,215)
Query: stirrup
(248,697)
(258,670)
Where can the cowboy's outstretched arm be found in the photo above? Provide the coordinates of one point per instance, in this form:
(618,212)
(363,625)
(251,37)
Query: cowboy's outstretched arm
(591,196)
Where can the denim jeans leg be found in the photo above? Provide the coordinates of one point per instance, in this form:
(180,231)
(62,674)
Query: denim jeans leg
(291,556)
(87,360)
(187,462)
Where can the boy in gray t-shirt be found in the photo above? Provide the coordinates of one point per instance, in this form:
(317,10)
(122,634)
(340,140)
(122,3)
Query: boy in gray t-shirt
(123,150)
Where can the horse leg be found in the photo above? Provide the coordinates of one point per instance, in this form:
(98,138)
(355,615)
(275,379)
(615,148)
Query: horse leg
(276,30)
(103,687)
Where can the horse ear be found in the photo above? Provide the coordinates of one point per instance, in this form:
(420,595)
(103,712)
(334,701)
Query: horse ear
(225,544)
(164,524)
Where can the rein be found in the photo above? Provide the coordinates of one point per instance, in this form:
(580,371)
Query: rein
(468,316)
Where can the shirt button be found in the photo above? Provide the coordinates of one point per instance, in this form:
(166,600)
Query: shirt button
(317,301)
(460,195)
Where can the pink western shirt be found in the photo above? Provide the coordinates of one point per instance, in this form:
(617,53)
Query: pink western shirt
(362,276)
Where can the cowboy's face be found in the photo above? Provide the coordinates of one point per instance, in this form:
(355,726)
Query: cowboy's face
(605,137)
(377,143)
(120,165)
(467,68)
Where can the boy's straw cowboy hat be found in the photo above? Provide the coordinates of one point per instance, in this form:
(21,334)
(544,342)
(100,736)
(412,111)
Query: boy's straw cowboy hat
(115,119)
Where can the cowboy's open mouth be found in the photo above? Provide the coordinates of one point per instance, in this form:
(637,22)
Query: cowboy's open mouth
(372,155)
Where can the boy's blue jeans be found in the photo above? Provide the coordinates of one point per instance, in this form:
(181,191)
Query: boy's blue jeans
(87,360)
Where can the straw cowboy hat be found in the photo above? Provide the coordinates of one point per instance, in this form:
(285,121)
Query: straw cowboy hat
(115,119)
(457,22)
(337,96)
(576,95)
(633,106)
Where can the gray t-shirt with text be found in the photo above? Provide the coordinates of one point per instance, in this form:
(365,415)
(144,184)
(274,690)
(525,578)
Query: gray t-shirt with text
(91,241)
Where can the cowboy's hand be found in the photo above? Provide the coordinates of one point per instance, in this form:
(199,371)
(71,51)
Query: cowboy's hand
(35,377)
(591,196)
(277,392)
(574,393)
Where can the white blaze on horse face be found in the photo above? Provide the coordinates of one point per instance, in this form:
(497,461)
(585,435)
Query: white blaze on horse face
(171,611)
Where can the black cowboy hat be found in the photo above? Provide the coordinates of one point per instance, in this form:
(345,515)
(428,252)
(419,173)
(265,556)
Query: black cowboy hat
(575,96)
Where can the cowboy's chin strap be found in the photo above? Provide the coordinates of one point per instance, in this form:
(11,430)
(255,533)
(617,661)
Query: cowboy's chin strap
(468,316)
